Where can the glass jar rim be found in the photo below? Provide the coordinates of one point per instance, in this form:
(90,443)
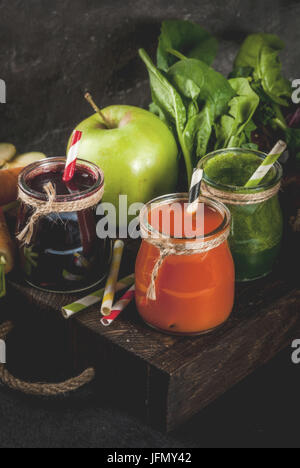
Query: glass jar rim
(237,188)
(60,162)
(178,197)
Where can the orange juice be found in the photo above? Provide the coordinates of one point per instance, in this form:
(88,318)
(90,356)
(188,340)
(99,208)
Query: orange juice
(194,290)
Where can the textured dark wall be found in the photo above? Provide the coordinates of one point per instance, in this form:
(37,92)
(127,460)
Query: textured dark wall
(51,51)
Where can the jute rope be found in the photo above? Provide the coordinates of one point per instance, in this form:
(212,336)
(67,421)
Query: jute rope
(167,248)
(43,208)
(231,198)
(41,389)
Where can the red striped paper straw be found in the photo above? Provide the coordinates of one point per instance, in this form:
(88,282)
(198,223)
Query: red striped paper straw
(119,307)
(72,156)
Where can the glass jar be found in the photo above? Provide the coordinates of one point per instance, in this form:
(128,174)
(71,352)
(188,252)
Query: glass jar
(257,221)
(59,248)
(193,277)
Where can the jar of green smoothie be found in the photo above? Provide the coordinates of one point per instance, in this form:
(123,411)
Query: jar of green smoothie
(257,221)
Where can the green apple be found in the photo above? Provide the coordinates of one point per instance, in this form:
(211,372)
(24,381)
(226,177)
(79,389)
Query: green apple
(138,153)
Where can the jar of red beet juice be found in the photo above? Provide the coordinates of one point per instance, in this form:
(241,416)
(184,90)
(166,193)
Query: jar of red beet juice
(59,247)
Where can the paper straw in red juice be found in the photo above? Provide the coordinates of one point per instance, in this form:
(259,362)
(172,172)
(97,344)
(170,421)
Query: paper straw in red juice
(72,156)
(119,307)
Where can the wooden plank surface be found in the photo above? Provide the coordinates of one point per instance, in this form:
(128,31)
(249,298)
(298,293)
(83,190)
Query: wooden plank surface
(167,379)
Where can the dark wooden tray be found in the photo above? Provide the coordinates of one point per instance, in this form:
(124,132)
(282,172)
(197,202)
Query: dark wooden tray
(163,379)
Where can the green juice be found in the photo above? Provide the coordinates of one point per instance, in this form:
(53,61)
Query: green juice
(257,228)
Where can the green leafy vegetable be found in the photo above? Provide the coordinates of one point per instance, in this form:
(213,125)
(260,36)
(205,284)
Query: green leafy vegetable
(204,109)
(258,59)
(270,74)
(198,131)
(207,90)
(187,38)
(250,50)
(197,81)
(247,135)
(155,109)
(169,102)
(188,98)
(266,111)
(164,94)
(231,130)
(259,53)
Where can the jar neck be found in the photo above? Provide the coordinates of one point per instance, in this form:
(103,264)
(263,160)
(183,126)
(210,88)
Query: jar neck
(237,189)
(57,164)
(151,235)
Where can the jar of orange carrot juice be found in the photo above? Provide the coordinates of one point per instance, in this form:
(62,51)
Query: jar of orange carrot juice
(185,275)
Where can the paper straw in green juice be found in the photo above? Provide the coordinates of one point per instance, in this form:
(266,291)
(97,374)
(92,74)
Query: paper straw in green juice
(267,164)
(70,310)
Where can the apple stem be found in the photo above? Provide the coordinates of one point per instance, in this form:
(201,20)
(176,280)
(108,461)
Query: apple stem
(90,100)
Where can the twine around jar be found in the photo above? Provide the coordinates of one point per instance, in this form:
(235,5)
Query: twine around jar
(43,208)
(232,198)
(167,248)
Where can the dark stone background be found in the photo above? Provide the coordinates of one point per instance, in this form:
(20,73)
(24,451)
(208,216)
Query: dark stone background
(50,53)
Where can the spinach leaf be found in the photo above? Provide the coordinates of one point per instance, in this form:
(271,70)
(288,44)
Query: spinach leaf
(233,128)
(260,54)
(187,38)
(198,131)
(248,130)
(169,101)
(241,72)
(270,73)
(246,137)
(200,85)
(164,95)
(155,109)
(266,110)
(250,50)
(193,109)
(196,80)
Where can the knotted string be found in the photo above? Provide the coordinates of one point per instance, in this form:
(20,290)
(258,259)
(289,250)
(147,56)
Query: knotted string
(43,208)
(166,249)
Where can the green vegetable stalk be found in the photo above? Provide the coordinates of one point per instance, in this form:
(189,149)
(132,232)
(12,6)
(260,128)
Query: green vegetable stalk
(232,129)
